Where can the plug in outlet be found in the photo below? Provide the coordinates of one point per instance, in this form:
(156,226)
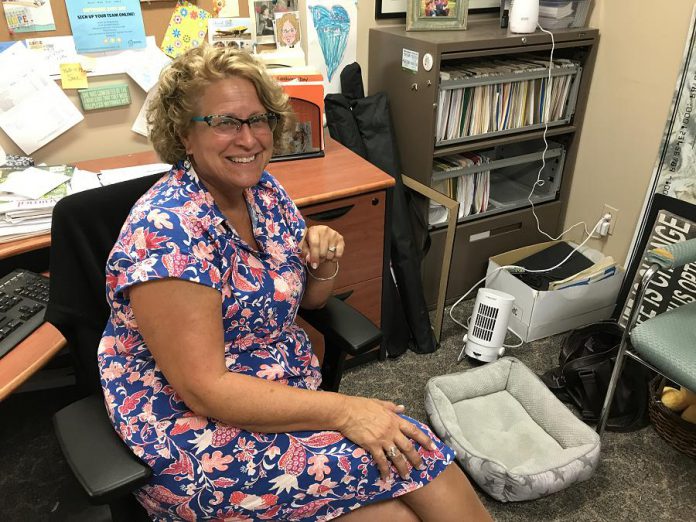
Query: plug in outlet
(613,212)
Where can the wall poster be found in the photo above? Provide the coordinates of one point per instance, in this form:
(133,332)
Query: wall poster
(106,25)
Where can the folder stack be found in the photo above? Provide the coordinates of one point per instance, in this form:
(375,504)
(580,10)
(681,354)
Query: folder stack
(27,198)
(471,190)
(481,106)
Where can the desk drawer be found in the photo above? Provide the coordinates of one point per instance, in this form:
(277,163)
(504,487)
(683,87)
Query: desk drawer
(360,220)
(366,297)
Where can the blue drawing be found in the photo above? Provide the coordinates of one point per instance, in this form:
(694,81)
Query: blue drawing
(332,29)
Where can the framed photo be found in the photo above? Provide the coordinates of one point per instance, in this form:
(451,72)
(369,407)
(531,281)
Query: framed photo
(397,8)
(261,13)
(436,15)
(390,8)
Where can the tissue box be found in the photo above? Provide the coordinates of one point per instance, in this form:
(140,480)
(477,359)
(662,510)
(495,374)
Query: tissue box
(536,314)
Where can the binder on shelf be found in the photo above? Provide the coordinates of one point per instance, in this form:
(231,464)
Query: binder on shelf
(497,180)
(500,96)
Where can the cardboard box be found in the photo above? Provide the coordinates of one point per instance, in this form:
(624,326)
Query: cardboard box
(537,314)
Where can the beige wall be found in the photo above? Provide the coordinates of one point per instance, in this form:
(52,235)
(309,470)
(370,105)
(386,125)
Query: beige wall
(638,61)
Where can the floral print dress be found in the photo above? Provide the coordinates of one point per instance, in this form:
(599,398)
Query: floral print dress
(202,468)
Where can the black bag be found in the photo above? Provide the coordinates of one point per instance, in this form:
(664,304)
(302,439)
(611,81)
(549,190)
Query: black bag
(582,378)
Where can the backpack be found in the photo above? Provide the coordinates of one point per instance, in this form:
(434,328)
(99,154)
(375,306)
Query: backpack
(585,365)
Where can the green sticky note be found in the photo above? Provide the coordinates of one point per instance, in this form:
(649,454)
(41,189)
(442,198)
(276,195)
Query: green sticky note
(104,97)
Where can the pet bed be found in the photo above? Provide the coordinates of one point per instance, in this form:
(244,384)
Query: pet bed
(511,434)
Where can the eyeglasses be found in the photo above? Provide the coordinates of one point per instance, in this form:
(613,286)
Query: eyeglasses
(224,124)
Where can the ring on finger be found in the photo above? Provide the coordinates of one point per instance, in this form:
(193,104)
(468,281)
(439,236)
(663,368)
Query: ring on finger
(332,248)
(392,452)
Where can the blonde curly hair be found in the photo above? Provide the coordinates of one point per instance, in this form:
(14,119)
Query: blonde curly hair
(182,83)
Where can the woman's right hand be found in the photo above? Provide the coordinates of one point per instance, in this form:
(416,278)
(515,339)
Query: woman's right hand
(376,426)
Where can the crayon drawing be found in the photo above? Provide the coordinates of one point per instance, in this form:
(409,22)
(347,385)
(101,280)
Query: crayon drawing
(332,38)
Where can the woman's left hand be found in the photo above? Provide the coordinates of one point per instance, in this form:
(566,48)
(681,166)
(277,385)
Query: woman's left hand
(321,243)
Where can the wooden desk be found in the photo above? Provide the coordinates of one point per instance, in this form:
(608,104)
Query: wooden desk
(340,180)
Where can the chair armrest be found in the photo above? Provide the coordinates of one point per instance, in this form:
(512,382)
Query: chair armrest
(343,327)
(674,255)
(102,463)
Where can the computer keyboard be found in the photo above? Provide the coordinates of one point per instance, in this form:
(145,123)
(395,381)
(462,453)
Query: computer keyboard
(23,300)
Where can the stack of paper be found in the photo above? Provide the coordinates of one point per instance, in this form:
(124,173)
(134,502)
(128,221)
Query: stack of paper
(599,271)
(471,190)
(555,9)
(27,198)
(111,176)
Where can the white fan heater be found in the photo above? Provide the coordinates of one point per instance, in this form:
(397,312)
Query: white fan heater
(488,325)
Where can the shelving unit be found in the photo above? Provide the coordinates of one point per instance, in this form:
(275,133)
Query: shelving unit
(459,60)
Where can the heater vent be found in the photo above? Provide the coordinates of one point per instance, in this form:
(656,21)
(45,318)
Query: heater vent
(485,322)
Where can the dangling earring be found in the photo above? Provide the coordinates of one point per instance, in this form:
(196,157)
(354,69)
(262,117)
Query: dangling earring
(188,162)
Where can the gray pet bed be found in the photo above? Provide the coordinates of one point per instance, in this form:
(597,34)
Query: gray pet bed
(511,434)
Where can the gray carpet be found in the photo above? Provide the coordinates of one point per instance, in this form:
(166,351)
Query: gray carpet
(640,477)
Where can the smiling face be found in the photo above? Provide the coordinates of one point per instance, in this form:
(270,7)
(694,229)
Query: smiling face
(289,33)
(229,162)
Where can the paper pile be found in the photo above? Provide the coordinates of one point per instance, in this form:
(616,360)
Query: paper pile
(601,270)
(470,188)
(27,198)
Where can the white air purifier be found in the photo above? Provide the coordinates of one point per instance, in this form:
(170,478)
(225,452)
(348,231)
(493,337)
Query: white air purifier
(488,325)
(524,16)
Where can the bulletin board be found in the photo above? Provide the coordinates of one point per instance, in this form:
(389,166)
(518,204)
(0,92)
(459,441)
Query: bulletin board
(107,132)
(156,15)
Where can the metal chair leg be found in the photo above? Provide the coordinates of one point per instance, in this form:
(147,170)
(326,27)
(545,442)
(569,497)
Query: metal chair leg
(613,382)
(618,365)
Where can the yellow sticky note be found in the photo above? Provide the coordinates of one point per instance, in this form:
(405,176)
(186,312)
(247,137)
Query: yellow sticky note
(73,76)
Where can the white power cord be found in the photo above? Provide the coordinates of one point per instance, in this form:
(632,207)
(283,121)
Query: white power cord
(602,225)
(514,269)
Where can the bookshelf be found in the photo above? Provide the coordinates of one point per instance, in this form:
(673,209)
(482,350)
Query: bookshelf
(469,108)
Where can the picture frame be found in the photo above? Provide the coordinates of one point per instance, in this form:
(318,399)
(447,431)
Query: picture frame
(390,9)
(385,9)
(261,14)
(436,15)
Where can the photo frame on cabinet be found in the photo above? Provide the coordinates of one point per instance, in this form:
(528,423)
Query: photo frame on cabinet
(436,15)
(390,8)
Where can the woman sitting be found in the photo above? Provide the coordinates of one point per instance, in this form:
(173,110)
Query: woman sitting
(206,375)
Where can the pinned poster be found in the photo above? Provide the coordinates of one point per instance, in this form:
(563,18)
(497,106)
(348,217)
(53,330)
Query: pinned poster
(187,29)
(27,16)
(73,76)
(332,38)
(106,25)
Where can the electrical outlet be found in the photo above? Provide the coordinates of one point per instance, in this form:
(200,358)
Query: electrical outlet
(613,212)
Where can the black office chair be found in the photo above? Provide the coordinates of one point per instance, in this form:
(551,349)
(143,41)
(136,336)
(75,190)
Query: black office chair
(84,229)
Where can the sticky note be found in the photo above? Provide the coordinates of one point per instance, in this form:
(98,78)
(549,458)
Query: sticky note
(73,76)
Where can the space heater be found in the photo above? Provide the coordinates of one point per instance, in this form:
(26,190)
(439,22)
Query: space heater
(488,325)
